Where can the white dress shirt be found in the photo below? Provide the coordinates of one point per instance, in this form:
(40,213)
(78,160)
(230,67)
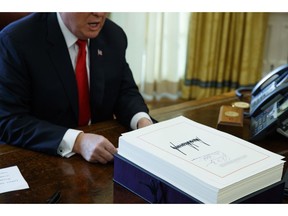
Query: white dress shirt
(67,143)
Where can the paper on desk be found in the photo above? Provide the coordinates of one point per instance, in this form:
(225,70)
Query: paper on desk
(11,179)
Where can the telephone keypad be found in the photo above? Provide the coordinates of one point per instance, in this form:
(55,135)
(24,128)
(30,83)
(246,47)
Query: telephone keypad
(262,121)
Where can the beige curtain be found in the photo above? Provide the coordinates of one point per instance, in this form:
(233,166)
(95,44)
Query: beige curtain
(157,49)
(225,51)
(165,55)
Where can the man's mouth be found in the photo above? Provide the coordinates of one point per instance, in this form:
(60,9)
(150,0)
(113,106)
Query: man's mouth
(94,25)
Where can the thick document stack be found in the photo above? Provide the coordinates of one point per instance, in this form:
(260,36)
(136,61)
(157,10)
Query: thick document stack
(209,165)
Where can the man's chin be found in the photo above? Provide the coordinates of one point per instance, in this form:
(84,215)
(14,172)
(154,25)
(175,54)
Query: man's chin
(92,34)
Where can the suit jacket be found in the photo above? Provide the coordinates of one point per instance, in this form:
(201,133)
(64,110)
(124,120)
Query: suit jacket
(38,91)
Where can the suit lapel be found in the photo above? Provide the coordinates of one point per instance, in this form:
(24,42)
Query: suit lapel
(59,55)
(97,73)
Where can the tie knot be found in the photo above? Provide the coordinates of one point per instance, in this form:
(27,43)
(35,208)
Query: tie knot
(81,43)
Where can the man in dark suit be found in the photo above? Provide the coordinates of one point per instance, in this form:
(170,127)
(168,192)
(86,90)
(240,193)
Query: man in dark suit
(38,89)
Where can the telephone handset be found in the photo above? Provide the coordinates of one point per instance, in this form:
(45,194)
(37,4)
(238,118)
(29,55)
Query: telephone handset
(269,104)
(264,89)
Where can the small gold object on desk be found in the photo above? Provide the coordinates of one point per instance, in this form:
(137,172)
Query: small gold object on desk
(240,104)
(230,120)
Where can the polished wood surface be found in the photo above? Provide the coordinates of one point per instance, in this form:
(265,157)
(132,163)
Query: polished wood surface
(83,182)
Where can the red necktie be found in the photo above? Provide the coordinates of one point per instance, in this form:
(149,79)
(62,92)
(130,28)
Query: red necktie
(82,83)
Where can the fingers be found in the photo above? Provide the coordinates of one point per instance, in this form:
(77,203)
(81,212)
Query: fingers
(106,150)
(143,122)
(105,155)
(96,148)
(110,148)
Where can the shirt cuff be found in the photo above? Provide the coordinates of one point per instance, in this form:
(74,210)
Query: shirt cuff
(67,143)
(137,117)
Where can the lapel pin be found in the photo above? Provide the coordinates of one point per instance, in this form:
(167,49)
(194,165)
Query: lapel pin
(100,53)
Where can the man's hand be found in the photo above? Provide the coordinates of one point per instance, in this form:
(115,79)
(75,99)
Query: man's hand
(143,122)
(94,148)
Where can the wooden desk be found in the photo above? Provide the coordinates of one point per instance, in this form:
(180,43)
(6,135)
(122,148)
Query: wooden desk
(83,182)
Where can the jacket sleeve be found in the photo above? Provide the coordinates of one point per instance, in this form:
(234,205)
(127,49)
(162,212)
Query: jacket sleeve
(17,125)
(130,101)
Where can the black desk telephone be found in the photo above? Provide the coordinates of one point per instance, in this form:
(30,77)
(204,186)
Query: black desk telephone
(269,104)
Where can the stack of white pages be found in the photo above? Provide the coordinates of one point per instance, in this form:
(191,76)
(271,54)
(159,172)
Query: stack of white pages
(210,165)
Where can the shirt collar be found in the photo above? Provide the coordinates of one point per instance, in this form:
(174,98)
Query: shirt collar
(69,37)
